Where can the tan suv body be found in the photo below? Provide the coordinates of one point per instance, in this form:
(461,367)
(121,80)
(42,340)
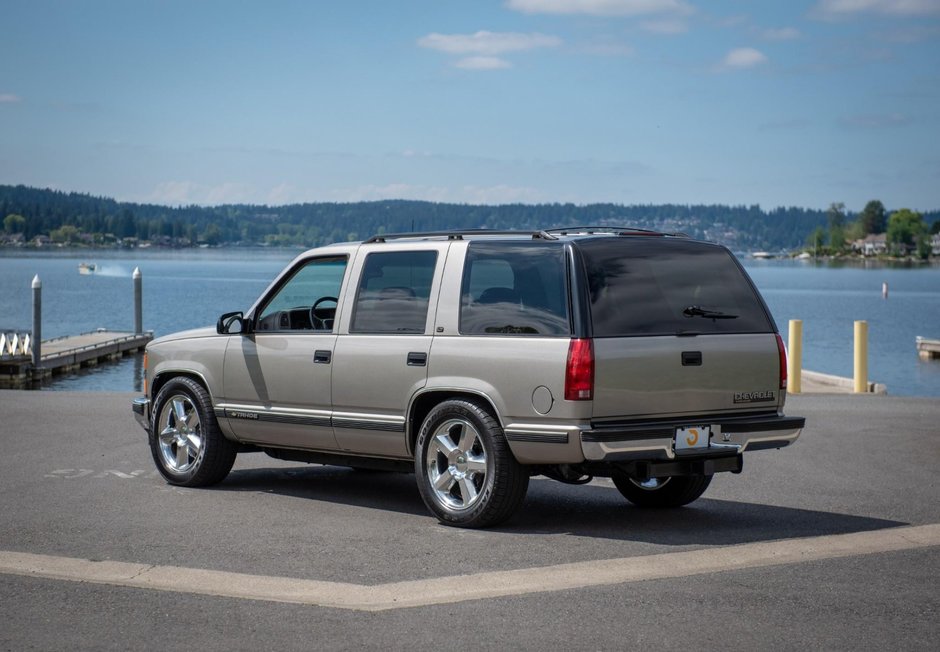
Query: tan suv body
(478,359)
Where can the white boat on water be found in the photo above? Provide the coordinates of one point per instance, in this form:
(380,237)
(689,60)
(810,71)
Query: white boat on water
(87,268)
(927,349)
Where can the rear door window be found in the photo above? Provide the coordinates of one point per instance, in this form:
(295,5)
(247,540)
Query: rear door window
(516,288)
(659,286)
(394,292)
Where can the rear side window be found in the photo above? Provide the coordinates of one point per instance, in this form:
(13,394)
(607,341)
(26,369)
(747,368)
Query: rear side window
(514,288)
(659,286)
(394,292)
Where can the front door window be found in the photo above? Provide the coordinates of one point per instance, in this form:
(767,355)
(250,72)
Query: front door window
(307,300)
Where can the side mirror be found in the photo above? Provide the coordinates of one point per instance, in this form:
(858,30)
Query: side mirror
(231,323)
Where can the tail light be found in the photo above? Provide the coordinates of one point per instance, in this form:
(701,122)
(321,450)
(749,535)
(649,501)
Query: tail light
(579,372)
(782,353)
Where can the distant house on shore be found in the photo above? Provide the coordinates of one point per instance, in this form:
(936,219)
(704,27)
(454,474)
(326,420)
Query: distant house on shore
(12,239)
(935,244)
(872,244)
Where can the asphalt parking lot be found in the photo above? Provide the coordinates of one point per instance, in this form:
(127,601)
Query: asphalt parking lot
(830,544)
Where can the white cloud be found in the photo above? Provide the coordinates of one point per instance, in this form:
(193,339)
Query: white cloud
(482,63)
(10,98)
(372,192)
(281,194)
(484,47)
(741,58)
(602,7)
(608,49)
(487,44)
(184,193)
(781,34)
(845,8)
(500,194)
(913,34)
(875,120)
(668,27)
(468,194)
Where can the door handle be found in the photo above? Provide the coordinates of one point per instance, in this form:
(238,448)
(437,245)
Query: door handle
(322,357)
(691,358)
(417,359)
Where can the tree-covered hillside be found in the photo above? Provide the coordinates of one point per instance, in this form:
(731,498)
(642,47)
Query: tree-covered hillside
(75,218)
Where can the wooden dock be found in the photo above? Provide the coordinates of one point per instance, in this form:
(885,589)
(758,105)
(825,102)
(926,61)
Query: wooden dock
(66,354)
(928,349)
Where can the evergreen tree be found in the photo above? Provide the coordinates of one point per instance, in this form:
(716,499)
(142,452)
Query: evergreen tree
(873,218)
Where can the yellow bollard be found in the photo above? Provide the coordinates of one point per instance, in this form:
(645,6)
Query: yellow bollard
(861,357)
(795,357)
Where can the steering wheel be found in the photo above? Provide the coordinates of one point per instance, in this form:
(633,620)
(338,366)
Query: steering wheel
(319,323)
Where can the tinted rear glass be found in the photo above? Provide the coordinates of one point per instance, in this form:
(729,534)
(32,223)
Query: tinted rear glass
(394,292)
(515,288)
(659,286)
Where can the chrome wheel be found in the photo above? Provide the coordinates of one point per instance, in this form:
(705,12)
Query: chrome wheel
(672,491)
(467,475)
(652,484)
(456,464)
(185,440)
(179,432)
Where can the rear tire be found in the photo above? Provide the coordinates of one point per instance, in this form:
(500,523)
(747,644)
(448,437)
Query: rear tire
(466,473)
(674,491)
(187,445)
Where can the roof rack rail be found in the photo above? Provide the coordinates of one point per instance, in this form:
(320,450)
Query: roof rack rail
(458,234)
(614,230)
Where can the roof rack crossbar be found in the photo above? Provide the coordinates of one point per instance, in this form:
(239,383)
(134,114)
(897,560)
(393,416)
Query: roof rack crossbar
(458,234)
(616,230)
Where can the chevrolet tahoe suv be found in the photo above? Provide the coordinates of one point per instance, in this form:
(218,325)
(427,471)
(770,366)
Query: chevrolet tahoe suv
(478,359)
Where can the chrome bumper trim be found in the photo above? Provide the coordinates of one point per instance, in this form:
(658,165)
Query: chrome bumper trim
(141,407)
(655,441)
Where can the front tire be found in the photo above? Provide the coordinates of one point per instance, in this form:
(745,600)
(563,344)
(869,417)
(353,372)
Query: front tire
(674,491)
(467,476)
(187,445)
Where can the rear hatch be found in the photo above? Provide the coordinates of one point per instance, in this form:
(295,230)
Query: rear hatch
(679,330)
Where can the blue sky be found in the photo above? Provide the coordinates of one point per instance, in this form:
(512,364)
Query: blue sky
(799,103)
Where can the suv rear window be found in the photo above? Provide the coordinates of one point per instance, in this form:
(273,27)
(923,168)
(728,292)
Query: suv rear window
(659,286)
(515,288)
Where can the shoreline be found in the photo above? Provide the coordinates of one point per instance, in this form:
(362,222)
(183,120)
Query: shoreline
(749,256)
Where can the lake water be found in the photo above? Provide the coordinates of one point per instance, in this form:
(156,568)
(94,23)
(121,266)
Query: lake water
(191,288)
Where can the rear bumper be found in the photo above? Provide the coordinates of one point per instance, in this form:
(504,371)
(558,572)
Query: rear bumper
(141,408)
(654,440)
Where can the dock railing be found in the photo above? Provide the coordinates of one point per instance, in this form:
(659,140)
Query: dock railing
(26,359)
(15,345)
(119,338)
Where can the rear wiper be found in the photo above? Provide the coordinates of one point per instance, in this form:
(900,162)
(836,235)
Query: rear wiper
(698,311)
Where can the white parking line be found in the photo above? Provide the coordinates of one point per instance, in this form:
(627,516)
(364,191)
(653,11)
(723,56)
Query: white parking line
(460,588)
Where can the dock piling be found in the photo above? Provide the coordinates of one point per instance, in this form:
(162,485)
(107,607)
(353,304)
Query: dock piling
(138,302)
(36,336)
(795,357)
(861,357)
(26,360)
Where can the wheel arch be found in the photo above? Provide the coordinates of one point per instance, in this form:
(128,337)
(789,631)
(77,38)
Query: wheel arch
(164,376)
(203,454)
(423,403)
